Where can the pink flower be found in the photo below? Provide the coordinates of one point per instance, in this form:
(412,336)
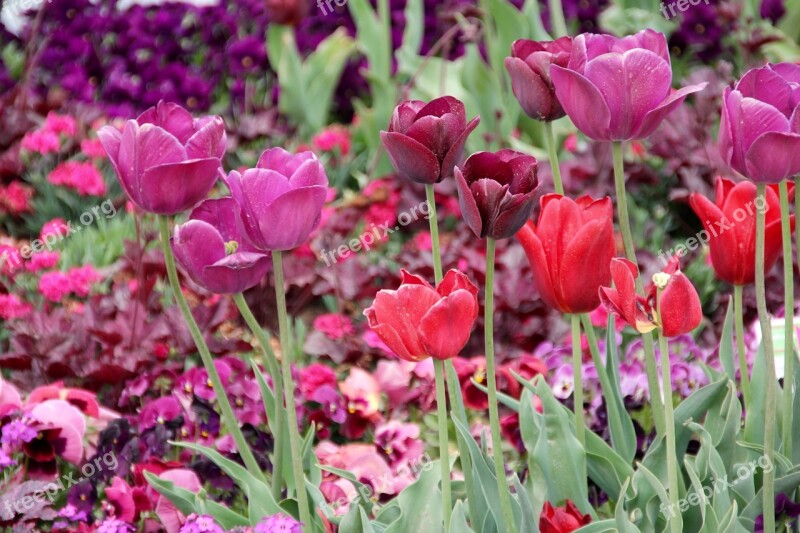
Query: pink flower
(44,260)
(61,429)
(12,307)
(81,176)
(57,226)
(333,137)
(16,198)
(82,278)
(119,495)
(10,260)
(400,442)
(54,286)
(60,124)
(93,149)
(170,516)
(9,396)
(334,325)
(315,376)
(41,141)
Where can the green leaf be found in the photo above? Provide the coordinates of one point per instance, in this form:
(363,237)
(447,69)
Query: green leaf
(726,344)
(602,526)
(754,420)
(458,520)
(420,504)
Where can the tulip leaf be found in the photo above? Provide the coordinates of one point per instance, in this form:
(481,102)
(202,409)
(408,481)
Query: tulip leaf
(458,520)
(623,523)
(754,419)
(528,521)
(504,399)
(267,396)
(726,344)
(364,490)
(785,484)
(602,526)
(534,18)
(420,504)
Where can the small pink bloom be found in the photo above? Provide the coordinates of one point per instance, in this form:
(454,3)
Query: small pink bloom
(170,516)
(82,278)
(60,124)
(54,286)
(93,149)
(81,176)
(57,226)
(315,376)
(10,260)
(331,138)
(12,307)
(334,325)
(16,198)
(41,142)
(44,260)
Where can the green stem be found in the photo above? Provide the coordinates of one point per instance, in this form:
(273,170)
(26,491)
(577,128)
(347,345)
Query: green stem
(744,369)
(630,253)
(444,444)
(228,416)
(769,357)
(577,379)
(788,297)
(491,377)
(288,382)
(434,226)
(553,155)
(672,454)
(270,362)
(557,21)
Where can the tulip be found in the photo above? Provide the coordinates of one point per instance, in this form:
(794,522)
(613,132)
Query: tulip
(529,69)
(562,519)
(418,321)
(280,201)
(426,141)
(570,251)
(289,12)
(730,226)
(495,191)
(680,305)
(759,133)
(166,161)
(618,89)
(212,251)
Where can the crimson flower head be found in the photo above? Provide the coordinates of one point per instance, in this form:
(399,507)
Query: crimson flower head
(166,160)
(418,321)
(426,141)
(495,191)
(562,519)
(618,89)
(680,305)
(529,69)
(730,224)
(570,251)
(759,133)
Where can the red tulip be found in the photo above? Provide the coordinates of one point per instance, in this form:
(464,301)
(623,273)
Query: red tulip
(562,519)
(730,228)
(570,251)
(680,304)
(418,321)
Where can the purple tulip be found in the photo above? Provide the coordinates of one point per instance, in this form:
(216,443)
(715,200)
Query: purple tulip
(426,141)
(280,201)
(495,191)
(213,252)
(759,134)
(618,89)
(529,68)
(166,161)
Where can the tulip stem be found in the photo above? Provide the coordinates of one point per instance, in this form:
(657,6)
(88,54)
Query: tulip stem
(675,522)
(768,488)
(434,226)
(270,362)
(228,416)
(444,444)
(630,252)
(491,377)
(557,18)
(744,368)
(577,380)
(553,155)
(788,297)
(288,382)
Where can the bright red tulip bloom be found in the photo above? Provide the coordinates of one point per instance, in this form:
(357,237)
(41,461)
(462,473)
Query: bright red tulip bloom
(570,251)
(418,321)
(166,161)
(495,191)
(562,519)
(213,252)
(618,89)
(426,141)
(680,305)
(759,133)
(529,69)
(730,227)
(280,200)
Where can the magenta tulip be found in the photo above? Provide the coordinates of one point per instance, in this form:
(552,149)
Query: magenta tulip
(280,201)
(166,161)
(759,134)
(618,89)
(426,141)
(213,252)
(495,191)
(529,69)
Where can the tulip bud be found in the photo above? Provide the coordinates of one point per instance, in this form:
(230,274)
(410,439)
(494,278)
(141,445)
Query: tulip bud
(529,69)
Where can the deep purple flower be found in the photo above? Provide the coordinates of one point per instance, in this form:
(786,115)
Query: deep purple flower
(426,141)
(495,191)
(211,249)
(784,507)
(280,200)
(618,89)
(166,161)
(772,10)
(529,69)
(759,133)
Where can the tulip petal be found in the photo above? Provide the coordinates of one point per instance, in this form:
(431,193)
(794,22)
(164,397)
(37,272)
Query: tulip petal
(172,118)
(539,267)
(310,173)
(236,273)
(222,213)
(206,142)
(766,85)
(392,339)
(284,162)
(174,187)
(653,118)
(515,210)
(446,327)
(727,258)
(456,152)
(586,266)
(583,102)
(622,300)
(531,91)
(410,158)
(289,220)
(436,133)
(773,157)
(402,310)
(680,307)
(469,209)
(197,244)
(455,280)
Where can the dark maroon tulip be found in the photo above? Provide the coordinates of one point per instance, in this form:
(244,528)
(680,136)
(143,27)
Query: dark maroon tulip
(212,251)
(289,12)
(166,161)
(495,191)
(529,68)
(426,141)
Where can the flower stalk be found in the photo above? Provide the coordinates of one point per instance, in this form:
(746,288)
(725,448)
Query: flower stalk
(577,379)
(788,298)
(552,151)
(744,368)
